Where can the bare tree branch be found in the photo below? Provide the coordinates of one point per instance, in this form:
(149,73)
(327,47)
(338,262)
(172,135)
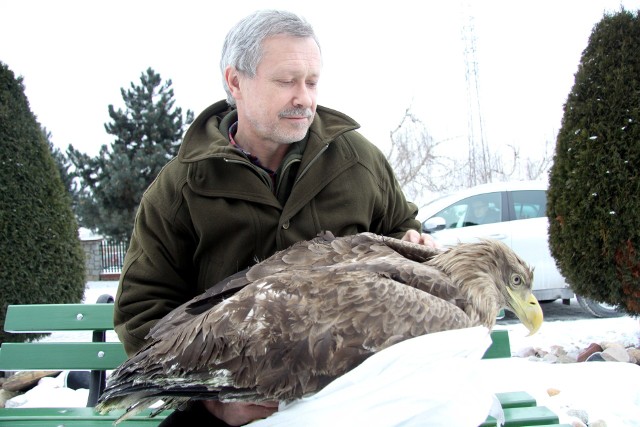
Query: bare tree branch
(421,169)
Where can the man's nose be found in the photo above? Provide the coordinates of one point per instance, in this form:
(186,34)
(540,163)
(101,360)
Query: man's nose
(303,96)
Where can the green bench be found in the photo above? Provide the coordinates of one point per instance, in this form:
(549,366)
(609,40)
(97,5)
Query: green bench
(96,356)
(99,356)
(520,409)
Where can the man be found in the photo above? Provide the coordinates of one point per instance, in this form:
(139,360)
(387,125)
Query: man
(255,173)
(482,214)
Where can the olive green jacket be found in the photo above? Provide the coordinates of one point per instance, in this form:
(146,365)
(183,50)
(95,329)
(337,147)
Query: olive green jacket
(211,212)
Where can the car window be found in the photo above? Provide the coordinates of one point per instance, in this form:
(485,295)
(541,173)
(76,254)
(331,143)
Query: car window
(474,210)
(528,204)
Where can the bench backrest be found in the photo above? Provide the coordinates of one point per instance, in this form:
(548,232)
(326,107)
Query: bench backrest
(33,318)
(95,354)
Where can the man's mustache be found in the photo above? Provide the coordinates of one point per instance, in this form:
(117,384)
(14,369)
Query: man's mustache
(296,112)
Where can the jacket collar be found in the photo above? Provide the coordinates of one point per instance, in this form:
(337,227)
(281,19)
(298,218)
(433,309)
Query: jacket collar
(208,135)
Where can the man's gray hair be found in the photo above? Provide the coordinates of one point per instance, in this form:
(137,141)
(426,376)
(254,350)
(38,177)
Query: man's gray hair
(242,47)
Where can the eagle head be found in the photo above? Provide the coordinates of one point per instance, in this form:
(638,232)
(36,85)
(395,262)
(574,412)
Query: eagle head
(491,276)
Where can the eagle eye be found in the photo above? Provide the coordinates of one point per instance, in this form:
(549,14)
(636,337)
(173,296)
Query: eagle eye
(516,279)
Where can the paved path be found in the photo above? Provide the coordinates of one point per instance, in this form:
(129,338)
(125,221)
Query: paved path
(553,311)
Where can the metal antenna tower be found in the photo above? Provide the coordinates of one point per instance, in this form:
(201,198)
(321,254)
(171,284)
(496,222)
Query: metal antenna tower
(479,164)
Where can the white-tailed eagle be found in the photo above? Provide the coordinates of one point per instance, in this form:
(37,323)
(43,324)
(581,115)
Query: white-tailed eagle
(314,311)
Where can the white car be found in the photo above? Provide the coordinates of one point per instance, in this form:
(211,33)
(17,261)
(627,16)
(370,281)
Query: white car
(514,213)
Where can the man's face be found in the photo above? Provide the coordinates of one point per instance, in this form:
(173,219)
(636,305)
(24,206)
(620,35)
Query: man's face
(279,103)
(480,209)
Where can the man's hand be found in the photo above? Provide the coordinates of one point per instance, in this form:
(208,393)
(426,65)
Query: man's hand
(240,413)
(422,239)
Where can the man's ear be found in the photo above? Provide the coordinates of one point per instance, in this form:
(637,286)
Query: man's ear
(232,77)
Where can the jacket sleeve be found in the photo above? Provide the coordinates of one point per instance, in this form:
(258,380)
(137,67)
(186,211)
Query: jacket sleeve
(156,275)
(400,214)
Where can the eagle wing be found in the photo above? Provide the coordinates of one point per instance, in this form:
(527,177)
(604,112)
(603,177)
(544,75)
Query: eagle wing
(282,338)
(385,255)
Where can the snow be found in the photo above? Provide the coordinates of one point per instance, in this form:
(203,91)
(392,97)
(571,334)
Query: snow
(96,289)
(51,393)
(576,335)
(86,234)
(606,391)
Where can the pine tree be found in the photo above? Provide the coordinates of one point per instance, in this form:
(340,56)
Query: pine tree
(594,193)
(147,134)
(40,253)
(64,167)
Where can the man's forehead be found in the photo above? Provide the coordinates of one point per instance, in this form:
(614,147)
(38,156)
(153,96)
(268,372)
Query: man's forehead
(290,60)
(290,48)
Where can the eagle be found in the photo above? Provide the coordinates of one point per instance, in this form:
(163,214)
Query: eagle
(288,326)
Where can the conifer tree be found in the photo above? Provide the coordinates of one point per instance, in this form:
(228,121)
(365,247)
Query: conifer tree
(64,167)
(40,253)
(594,193)
(147,135)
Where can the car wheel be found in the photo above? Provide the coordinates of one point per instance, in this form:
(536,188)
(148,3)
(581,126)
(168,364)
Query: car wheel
(597,309)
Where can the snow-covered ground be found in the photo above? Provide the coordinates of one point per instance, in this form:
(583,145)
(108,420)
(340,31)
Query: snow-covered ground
(575,335)
(95,289)
(606,391)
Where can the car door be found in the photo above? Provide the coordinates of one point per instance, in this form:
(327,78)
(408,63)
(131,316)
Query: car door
(530,238)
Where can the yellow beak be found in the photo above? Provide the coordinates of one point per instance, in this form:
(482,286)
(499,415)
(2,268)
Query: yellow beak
(528,311)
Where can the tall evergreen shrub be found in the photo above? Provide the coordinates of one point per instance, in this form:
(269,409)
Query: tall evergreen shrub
(594,193)
(41,260)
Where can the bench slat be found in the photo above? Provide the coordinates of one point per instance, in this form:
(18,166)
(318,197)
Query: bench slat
(501,347)
(89,422)
(59,317)
(520,410)
(516,399)
(61,356)
(67,417)
(529,416)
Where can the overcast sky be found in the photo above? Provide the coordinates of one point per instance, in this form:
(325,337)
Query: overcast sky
(379,59)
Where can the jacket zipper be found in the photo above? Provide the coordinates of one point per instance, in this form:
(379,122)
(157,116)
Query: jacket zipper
(301,174)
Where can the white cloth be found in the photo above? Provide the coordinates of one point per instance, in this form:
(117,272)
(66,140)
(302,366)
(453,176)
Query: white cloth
(430,380)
